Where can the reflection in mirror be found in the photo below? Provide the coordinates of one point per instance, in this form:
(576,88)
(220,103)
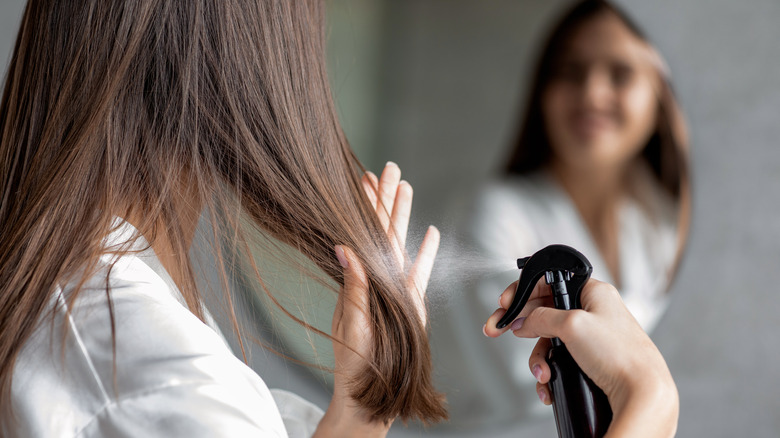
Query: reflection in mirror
(599,163)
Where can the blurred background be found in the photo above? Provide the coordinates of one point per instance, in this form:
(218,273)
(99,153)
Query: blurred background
(436,86)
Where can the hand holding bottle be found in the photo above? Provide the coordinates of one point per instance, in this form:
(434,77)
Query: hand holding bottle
(610,347)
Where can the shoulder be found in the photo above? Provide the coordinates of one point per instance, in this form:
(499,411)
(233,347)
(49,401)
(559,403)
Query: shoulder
(512,209)
(514,194)
(166,366)
(653,215)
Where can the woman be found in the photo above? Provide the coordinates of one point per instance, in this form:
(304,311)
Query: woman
(121,124)
(600,165)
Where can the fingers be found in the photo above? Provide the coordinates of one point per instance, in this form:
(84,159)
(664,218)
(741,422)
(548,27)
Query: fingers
(420,273)
(596,294)
(402,209)
(371,187)
(548,322)
(544,393)
(351,329)
(507,295)
(539,297)
(388,186)
(489,329)
(537,362)
(542,322)
(391,198)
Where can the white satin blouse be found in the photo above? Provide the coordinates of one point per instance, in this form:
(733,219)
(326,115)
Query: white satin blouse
(171,376)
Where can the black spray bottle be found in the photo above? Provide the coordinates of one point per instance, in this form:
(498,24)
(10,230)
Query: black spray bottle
(581,408)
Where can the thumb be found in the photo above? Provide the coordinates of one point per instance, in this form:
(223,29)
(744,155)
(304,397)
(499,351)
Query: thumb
(354,294)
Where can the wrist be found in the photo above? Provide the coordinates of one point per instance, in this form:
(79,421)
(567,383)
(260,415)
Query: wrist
(647,408)
(344,419)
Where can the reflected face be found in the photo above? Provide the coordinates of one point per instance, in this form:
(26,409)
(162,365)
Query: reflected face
(600,106)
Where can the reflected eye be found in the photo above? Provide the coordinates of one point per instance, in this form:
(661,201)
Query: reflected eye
(571,72)
(621,75)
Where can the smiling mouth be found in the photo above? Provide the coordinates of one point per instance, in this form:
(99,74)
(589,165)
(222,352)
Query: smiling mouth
(592,124)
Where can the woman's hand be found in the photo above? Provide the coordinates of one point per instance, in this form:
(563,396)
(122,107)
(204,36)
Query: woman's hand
(609,346)
(392,200)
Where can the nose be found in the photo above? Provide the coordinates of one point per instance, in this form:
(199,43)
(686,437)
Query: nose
(597,92)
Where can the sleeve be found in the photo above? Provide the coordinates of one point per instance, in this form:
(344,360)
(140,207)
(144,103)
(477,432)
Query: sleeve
(300,416)
(191,410)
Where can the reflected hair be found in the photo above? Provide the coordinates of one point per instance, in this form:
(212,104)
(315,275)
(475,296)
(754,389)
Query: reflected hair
(123,103)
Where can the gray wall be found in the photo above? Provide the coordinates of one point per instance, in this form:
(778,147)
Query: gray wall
(10,14)
(721,333)
(438,83)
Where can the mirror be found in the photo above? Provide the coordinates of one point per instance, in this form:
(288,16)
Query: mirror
(519,124)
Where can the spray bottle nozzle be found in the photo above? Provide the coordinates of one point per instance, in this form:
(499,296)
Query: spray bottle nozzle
(521,262)
(574,268)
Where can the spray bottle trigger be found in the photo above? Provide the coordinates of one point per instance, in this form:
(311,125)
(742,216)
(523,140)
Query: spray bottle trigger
(567,261)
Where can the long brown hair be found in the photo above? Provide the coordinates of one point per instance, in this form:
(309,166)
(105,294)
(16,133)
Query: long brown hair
(666,151)
(119,103)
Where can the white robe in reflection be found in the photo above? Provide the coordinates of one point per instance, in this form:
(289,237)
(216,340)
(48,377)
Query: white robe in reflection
(488,381)
(175,376)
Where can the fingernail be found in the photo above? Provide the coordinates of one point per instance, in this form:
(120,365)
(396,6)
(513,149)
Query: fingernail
(537,372)
(484,329)
(516,324)
(542,395)
(370,174)
(390,163)
(342,257)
